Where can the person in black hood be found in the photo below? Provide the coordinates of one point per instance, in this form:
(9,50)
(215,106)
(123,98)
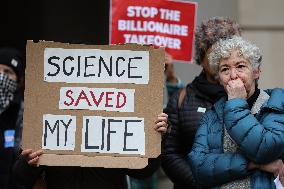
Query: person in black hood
(11,112)
(186,108)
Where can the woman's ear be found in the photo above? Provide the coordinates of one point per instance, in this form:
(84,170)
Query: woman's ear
(256,73)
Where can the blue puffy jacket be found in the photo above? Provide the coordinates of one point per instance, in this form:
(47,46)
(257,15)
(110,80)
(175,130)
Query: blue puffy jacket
(260,138)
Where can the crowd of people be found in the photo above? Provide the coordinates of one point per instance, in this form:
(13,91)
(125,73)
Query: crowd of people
(219,131)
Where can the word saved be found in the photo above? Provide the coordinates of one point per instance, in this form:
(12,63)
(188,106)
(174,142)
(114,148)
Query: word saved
(108,99)
(96,66)
(122,135)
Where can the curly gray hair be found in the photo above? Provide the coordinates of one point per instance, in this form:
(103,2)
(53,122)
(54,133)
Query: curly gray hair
(210,31)
(223,49)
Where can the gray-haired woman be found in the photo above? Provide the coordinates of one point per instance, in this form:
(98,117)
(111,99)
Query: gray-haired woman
(240,141)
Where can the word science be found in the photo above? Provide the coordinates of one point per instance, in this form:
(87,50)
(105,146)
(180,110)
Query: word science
(96,66)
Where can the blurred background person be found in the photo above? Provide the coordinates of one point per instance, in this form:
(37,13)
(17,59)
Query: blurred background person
(172,82)
(11,112)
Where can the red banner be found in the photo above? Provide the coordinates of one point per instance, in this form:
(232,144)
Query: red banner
(160,23)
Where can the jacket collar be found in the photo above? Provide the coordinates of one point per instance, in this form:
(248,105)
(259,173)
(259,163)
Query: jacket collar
(276,100)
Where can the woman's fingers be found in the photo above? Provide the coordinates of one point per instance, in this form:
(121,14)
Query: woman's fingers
(162,129)
(36,154)
(26,152)
(281,179)
(281,175)
(32,157)
(161,124)
(236,89)
(162,117)
(34,161)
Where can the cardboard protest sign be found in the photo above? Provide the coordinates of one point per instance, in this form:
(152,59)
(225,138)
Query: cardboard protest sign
(94,106)
(161,23)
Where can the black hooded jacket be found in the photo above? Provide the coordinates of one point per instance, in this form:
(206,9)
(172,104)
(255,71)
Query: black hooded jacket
(184,121)
(10,119)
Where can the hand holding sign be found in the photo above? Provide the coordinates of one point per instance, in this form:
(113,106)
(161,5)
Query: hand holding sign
(31,156)
(161,124)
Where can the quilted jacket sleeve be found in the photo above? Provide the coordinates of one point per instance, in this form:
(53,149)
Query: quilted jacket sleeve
(261,140)
(209,167)
(174,161)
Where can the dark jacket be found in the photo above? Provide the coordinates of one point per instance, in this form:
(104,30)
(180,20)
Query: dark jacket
(11,124)
(259,137)
(79,177)
(184,122)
